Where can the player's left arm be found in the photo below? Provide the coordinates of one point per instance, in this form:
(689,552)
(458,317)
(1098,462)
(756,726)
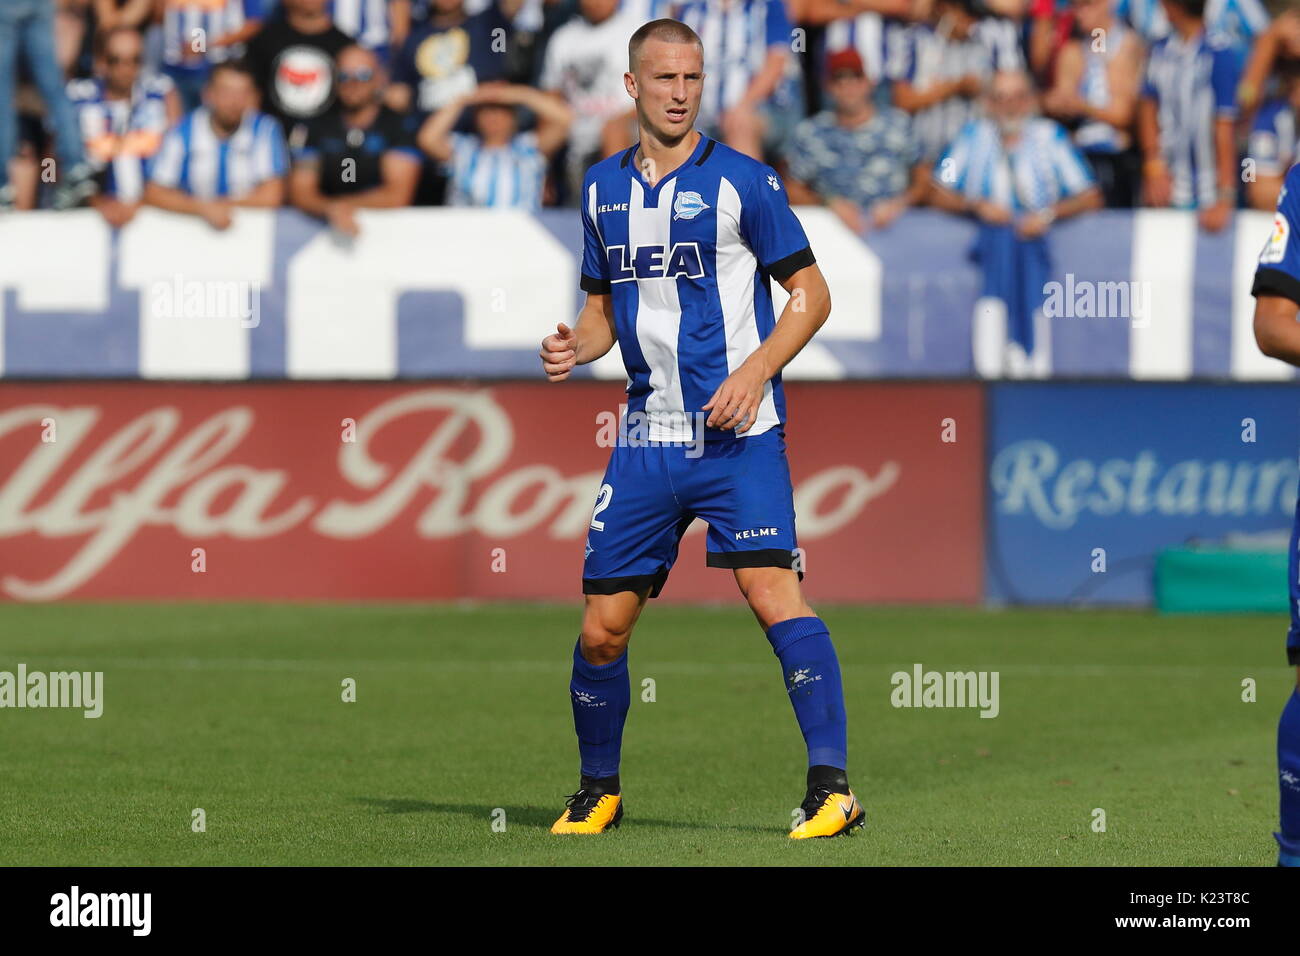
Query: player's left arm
(735,403)
(776,237)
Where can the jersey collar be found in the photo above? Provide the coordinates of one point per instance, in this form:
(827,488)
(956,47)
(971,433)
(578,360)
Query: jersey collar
(701,152)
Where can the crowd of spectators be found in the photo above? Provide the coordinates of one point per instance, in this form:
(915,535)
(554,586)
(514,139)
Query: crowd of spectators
(1014,111)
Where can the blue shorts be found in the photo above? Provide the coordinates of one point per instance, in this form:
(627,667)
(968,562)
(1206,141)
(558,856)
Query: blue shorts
(653,491)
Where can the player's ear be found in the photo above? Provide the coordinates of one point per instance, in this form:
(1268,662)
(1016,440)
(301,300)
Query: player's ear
(629,83)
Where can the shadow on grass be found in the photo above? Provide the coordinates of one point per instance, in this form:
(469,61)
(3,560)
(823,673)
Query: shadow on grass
(535,817)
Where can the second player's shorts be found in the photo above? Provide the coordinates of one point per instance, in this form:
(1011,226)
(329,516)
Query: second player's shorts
(652,492)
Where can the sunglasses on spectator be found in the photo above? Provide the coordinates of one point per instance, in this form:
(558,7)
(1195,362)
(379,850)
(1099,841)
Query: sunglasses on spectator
(356,76)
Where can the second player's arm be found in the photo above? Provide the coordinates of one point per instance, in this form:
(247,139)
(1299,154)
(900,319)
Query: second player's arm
(1276,330)
(735,403)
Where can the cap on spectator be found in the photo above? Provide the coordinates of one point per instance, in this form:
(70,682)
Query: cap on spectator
(844,61)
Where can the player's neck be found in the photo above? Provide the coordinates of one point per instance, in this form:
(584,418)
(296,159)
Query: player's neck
(657,159)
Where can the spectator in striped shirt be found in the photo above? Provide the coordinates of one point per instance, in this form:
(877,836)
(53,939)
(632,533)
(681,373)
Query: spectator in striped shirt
(376,25)
(875,29)
(1095,91)
(1017,173)
(1186,119)
(944,68)
(1013,167)
(223,155)
(1273,141)
(753,96)
(497,166)
(124,113)
(200,33)
(1240,22)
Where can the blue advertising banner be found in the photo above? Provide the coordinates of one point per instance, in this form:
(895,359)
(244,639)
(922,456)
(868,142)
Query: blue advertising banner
(1088,482)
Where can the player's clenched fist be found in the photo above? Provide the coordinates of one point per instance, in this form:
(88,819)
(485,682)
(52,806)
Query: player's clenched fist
(559,353)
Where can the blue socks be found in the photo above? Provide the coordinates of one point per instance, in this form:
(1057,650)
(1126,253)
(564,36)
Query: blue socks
(1288,770)
(601,696)
(812,679)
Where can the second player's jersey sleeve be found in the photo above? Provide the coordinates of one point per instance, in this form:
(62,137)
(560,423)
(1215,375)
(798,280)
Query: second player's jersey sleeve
(1278,272)
(595,265)
(770,227)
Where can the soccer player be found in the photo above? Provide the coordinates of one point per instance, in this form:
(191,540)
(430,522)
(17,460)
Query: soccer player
(681,236)
(1277,308)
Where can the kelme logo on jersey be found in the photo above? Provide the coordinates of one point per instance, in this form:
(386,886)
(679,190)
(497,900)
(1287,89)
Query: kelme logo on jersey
(688,205)
(655,262)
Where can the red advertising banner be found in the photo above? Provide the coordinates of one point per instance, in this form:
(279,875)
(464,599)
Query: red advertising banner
(357,491)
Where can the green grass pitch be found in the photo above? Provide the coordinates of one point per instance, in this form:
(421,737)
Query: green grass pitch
(237,709)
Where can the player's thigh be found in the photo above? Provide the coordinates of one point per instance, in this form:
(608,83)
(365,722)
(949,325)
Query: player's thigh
(636,525)
(745,496)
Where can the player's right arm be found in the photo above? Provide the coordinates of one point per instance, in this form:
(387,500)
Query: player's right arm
(594,333)
(1277,279)
(592,337)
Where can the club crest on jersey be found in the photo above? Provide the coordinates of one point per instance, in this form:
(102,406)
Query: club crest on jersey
(688,205)
(655,261)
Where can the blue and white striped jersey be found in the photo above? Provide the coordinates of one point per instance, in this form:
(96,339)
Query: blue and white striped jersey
(878,41)
(687,263)
(1194,84)
(643,11)
(1273,138)
(366,21)
(737,35)
(121,137)
(1041,168)
(1093,135)
(506,177)
(185,22)
(928,54)
(194,159)
(1147,17)
(1238,21)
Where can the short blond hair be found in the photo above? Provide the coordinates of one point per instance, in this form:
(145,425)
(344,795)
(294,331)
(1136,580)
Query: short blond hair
(670,31)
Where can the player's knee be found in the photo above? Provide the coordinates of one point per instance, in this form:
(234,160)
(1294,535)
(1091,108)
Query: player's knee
(774,601)
(604,635)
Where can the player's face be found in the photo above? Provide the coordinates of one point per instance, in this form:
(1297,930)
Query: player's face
(667,86)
